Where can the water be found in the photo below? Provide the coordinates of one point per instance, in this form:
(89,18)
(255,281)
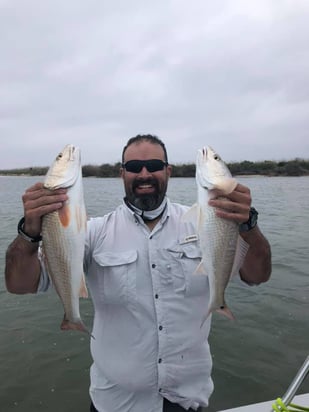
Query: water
(255,358)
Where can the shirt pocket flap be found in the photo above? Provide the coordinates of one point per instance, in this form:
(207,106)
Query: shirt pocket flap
(115,258)
(188,250)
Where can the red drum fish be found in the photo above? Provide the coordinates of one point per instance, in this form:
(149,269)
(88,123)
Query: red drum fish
(63,233)
(223,250)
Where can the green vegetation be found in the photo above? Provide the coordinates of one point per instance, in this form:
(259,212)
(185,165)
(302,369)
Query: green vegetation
(296,167)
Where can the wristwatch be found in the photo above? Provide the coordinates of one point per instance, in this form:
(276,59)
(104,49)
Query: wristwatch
(24,235)
(251,222)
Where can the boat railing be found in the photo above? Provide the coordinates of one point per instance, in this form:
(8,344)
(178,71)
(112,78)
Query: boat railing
(292,389)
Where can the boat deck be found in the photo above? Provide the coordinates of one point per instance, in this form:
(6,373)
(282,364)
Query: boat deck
(301,400)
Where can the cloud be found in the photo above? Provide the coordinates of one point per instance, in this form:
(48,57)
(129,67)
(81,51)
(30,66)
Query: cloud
(233,74)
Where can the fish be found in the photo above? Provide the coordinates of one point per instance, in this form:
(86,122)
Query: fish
(63,233)
(222,249)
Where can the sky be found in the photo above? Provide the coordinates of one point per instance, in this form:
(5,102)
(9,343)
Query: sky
(232,74)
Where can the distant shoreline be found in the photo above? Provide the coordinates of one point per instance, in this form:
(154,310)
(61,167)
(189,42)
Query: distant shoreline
(295,167)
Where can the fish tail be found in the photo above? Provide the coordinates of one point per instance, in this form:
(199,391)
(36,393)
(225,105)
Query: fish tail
(224,310)
(79,325)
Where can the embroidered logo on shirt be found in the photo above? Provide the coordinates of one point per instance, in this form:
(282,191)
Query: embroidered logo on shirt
(188,239)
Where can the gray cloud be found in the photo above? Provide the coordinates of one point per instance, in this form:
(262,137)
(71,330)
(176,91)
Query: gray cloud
(232,74)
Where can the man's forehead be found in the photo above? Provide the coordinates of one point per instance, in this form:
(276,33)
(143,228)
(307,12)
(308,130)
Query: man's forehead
(144,150)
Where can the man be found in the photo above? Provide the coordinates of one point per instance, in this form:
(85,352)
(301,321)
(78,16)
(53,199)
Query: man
(150,353)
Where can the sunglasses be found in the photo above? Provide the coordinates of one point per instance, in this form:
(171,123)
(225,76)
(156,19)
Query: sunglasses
(152,165)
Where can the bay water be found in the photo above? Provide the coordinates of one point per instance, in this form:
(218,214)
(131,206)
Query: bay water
(254,358)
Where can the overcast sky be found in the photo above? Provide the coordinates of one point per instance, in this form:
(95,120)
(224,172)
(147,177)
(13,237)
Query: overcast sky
(232,74)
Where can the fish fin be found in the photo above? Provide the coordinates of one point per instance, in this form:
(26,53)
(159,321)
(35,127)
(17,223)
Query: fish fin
(226,185)
(81,218)
(200,268)
(205,318)
(192,214)
(224,310)
(79,325)
(242,248)
(83,292)
(64,215)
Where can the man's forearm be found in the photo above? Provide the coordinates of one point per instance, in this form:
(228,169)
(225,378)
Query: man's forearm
(22,270)
(257,265)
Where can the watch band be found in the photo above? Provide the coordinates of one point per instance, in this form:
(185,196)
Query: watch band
(251,222)
(24,235)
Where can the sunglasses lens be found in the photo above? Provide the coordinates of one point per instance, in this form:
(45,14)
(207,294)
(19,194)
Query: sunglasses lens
(152,165)
(133,166)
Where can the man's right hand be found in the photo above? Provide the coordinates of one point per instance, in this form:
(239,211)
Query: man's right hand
(38,201)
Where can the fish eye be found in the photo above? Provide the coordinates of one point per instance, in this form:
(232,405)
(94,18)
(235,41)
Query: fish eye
(59,156)
(217,157)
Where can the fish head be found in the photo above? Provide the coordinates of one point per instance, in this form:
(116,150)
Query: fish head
(212,172)
(65,169)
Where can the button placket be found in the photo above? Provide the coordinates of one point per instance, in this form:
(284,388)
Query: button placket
(156,283)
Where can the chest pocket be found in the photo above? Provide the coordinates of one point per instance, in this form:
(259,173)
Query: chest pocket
(180,268)
(116,274)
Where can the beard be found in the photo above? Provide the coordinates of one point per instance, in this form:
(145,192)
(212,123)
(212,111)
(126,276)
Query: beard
(147,201)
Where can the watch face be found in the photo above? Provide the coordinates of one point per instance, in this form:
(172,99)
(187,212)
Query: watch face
(251,222)
(253,218)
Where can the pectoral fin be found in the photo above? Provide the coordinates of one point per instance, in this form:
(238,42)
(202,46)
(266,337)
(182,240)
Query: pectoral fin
(242,248)
(64,215)
(193,215)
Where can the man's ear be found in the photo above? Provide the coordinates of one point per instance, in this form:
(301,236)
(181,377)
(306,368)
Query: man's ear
(121,172)
(169,170)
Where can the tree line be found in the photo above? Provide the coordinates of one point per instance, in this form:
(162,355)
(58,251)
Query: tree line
(296,167)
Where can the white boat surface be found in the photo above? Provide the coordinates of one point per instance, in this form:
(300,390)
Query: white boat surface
(288,398)
(301,400)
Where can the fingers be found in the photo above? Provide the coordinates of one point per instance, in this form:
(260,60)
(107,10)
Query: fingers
(39,201)
(235,206)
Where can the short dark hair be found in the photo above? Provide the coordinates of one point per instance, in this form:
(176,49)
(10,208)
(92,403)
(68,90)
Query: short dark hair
(145,138)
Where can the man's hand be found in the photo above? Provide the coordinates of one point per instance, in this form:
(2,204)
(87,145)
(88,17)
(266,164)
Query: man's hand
(39,201)
(234,206)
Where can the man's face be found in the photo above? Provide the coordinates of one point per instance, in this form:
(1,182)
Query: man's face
(145,189)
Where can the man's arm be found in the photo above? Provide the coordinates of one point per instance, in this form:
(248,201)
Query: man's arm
(257,264)
(22,269)
(236,206)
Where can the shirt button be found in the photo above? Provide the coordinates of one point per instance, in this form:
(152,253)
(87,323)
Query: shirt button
(160,360)
(160,327)
(153,265)
(156,296)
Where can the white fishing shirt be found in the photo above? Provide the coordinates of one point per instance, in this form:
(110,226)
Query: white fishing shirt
(149,305)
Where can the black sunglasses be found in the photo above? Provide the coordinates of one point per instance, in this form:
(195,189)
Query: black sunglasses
(152,165)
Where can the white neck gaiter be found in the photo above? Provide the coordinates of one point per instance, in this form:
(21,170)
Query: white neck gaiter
(148,215)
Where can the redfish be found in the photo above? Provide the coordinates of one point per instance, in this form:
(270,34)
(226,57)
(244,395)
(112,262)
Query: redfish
(63,233)
(222,248)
